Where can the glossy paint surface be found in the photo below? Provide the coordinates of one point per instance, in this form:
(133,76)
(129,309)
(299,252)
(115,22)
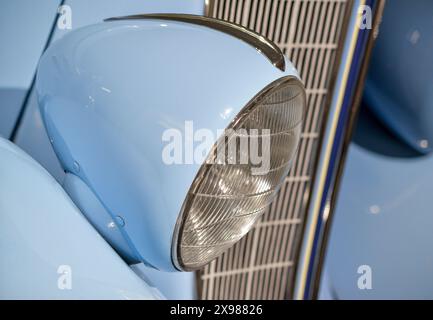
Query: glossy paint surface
(39,225)
(32,136)
(399,88)
(109,91)
(24,30)
(384,220)
(95,212)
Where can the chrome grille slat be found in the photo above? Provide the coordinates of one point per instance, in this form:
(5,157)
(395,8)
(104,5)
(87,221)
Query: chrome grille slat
(261,265)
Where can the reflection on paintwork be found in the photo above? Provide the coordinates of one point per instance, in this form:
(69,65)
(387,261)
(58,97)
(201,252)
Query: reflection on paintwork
(393,236)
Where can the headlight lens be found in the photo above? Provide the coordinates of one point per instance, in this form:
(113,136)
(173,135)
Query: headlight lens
(227,197)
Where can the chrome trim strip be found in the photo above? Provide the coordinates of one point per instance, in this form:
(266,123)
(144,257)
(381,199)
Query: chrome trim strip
(325,154)
(356,102)
(265,46)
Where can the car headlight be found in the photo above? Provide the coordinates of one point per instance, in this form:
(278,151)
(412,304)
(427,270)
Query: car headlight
(226,198)
(108,93)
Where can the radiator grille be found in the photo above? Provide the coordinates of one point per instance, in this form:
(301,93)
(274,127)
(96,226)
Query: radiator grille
(262,264)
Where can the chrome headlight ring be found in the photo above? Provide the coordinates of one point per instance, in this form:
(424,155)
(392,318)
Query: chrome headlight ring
(225,200)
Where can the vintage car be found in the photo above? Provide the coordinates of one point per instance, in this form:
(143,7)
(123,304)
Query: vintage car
(216,149)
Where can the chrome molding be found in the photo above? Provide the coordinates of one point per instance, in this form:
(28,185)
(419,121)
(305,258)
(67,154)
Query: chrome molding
(262,44)
(350,126)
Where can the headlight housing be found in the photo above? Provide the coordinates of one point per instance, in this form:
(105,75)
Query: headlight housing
(109,92)
(227,197)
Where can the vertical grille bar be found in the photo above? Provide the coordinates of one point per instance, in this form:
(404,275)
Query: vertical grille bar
(261,265)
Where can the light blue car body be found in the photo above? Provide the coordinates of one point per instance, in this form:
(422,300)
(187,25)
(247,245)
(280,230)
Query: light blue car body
(109,92)
(383,217)
(106,93)
(48,248)
(32,137)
